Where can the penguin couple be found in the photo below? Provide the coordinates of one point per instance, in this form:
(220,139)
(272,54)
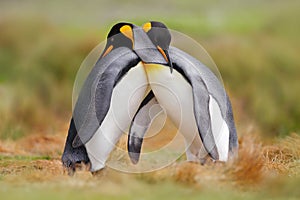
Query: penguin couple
(136,70)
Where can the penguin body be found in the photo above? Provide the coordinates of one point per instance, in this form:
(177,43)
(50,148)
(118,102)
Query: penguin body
(197,103)
(114,89)
(193,98)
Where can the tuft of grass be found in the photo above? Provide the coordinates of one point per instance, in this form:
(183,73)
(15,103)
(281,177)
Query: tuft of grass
(248,168)
(284,158)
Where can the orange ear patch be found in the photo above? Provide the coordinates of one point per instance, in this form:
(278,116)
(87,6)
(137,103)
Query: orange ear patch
(147,27)
(127,31)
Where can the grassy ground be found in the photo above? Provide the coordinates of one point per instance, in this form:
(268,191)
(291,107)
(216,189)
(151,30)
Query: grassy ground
(31,169)
(255,45)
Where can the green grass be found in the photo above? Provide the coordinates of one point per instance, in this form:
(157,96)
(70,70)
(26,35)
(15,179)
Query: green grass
(23,158)
(144,191)
(139,189)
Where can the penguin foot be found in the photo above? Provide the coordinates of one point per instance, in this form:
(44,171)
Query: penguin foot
(75,159)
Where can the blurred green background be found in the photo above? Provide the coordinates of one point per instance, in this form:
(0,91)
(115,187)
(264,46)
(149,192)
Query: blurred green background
(255,45)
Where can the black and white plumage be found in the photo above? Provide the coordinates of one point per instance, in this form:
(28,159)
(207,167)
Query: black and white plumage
(115,96)
(94,131)
(202,113)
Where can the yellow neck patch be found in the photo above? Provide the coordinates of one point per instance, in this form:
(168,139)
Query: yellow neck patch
(147,27)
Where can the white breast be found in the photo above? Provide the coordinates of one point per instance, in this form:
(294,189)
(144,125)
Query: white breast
(175,95)
(126,98)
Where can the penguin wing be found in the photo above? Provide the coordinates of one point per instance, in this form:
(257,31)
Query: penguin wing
(210,103)
(140,125)
(94,99)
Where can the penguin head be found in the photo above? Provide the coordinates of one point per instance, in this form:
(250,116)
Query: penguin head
(158,34)
(120,35)
(160,37)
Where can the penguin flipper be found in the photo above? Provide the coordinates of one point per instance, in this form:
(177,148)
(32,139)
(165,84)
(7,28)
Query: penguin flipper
(209,97)
(233,138)
(71,156)
(140,125)
(201,99)
(94,100)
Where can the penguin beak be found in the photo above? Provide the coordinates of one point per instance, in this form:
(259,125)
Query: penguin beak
(169,61)
(166,56)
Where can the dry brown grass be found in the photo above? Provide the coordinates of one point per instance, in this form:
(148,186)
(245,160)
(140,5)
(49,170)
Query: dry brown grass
(247,169)
(284,157)
(256,162)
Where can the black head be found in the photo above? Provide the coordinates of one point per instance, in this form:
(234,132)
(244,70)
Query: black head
(158,33)
(160,37)
(120,35)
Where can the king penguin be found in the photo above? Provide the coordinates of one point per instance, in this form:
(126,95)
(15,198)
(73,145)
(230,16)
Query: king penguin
(109,98)
(192,97)
(115,60)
